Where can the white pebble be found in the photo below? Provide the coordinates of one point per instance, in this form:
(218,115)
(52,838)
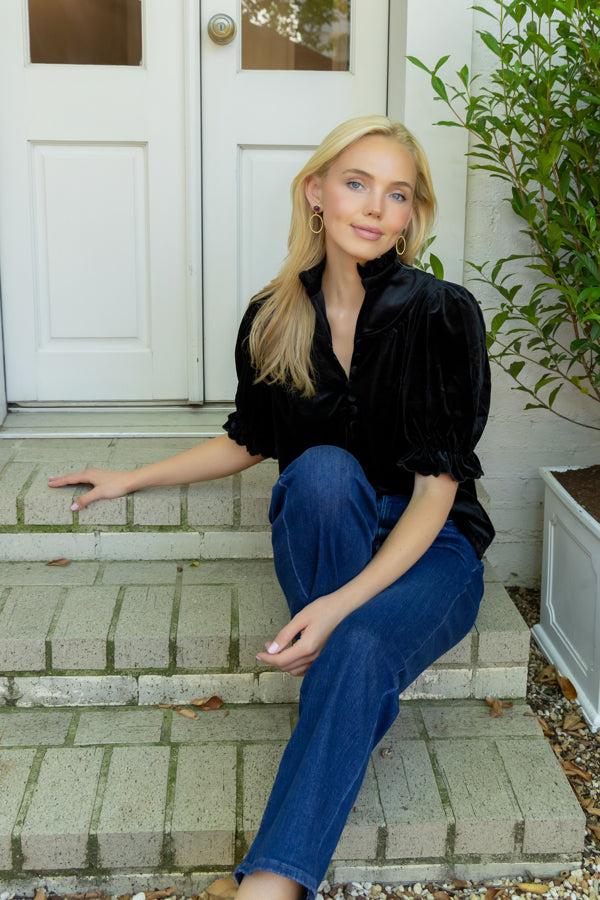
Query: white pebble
(418,889)
(320,897)
(140,896)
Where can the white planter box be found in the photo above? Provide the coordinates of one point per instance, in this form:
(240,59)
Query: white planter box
(569,629)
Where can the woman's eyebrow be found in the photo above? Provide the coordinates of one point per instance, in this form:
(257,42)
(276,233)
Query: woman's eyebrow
(368,175)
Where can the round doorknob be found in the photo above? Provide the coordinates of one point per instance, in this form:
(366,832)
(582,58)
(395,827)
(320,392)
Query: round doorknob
(222,29)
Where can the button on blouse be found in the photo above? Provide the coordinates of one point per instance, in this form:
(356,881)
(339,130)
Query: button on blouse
(417,398)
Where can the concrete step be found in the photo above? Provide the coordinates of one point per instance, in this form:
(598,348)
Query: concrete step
(133,799)
(122,633)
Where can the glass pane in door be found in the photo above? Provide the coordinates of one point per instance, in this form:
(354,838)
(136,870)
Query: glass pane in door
(86,32)
(296,34)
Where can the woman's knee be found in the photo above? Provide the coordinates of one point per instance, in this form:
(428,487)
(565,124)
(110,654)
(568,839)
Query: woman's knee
(323,477)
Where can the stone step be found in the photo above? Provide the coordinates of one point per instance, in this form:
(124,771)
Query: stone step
(122,633)
(133,799)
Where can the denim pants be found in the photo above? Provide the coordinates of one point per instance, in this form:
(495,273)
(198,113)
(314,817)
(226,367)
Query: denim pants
(327,521)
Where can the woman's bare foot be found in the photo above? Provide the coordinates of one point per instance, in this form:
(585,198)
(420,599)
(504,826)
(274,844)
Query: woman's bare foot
(268,886)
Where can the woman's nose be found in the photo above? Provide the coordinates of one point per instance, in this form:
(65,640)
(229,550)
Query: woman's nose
(374,205)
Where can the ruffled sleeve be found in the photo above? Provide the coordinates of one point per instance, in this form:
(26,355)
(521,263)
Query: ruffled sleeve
(445,392)
(251,424)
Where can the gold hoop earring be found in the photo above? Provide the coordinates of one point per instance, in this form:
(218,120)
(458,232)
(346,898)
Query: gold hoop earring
(402,251)
(316,215)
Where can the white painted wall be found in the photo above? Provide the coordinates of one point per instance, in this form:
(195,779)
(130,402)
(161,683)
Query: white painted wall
(516,442)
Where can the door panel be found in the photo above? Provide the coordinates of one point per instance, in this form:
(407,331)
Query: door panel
(93,212)
(260,127)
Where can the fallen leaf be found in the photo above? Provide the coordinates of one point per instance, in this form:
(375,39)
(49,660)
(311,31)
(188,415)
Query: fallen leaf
(59,562)
(208,703)
(545,727)
(572,722)
(497,706)
(492,893)
(225,714)
(567,687)
(187,713)
(222,889)
(595,831)
(573,770)
(530,888)
(194,565)
(124,897)
(459,883)
(160,895)
(441,895)
(161,706)
(40,895)
(548,675)
(589,807)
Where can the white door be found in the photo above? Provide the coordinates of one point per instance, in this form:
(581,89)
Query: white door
(268,98)
(92,199)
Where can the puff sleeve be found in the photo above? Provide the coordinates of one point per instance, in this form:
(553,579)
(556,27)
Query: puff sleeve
(445,392)
(251,424)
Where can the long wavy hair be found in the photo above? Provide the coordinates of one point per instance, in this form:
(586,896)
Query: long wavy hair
(282,331)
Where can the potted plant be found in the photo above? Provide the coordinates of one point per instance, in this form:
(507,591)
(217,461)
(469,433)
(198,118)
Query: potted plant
(534,123)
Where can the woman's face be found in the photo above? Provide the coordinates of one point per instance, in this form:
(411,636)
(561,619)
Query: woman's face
(366,198)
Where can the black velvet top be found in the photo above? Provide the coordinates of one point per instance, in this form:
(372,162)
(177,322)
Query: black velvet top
(416,400)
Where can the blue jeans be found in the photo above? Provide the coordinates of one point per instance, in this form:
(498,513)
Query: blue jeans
(327,523)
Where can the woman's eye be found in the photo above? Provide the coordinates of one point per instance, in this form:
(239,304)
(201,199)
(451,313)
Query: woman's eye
(355,185)
(398,196)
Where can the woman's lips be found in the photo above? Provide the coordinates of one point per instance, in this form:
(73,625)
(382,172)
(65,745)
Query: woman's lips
(370,234)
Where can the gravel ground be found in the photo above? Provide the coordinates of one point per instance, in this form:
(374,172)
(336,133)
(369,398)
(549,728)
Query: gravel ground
(577,749)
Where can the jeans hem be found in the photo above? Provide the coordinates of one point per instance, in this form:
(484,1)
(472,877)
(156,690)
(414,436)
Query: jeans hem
(279,868)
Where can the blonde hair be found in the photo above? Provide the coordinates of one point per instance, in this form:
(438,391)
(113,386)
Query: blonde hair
(282,331)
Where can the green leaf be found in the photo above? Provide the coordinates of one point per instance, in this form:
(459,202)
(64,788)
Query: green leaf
(419,64)
(436,266)
(490,41)
(439,87)
(440,62)
(515,368)
(553,395)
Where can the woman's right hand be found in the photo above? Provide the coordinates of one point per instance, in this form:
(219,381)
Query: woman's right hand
(106,485)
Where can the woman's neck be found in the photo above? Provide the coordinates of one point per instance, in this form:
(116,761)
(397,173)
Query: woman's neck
(342,287)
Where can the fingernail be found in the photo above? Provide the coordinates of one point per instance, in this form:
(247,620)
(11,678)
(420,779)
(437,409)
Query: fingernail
(273,648)
(74,508)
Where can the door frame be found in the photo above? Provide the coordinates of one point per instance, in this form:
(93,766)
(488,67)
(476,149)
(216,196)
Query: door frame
(409,100)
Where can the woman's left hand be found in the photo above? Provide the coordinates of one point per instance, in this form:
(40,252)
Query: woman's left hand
(314,624)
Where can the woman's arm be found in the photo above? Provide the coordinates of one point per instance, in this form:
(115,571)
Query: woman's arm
(216,458)
(412,535)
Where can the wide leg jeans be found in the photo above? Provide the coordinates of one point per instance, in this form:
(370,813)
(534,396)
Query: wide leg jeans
(327,522)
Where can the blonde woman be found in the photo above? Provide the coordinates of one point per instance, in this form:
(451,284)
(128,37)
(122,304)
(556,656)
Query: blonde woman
(368,380)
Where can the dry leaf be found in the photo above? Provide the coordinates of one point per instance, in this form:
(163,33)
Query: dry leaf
(187,713)
(161,706)
(208,703)
(441,895)
(574,771)
(595,831)
(567,687)
(547,675)
(222,889)
(545,727)
(497,706)
(40,895)
(59,562)
(572,722)
(225,714)
(492,893)
(124,897)
(533,888)
(160,895)
(459,883)
(589,807)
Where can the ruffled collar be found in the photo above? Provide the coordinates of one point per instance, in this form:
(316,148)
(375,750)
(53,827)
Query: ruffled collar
(373,271)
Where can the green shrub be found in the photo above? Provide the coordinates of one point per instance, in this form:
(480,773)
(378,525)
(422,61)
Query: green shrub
(535,124)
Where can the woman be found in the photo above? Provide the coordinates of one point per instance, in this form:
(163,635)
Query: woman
(368,380)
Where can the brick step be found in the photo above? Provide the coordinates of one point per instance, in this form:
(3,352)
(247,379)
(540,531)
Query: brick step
(98,797)
(224,518)
(116,633)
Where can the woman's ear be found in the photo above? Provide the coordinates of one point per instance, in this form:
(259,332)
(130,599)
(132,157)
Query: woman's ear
(312,189)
